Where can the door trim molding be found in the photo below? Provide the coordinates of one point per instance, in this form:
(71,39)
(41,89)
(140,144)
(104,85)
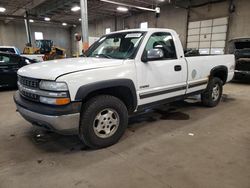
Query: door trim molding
(173,89)
(198,83)
(168,100)
(162,92)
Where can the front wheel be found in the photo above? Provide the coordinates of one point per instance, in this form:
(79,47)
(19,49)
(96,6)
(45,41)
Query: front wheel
(212,96)
(104,120)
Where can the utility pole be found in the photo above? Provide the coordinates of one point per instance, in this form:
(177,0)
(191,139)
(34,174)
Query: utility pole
(27,27)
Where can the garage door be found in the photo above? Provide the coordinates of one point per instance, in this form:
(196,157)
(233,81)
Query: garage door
(208,36)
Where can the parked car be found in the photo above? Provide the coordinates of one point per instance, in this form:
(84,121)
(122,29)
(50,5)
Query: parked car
(240,47)
(15,50)
(9,65)
(123,73)
(10,49)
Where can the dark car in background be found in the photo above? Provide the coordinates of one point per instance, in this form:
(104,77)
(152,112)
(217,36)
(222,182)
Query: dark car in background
(189,52)
(9,65)
(240,47)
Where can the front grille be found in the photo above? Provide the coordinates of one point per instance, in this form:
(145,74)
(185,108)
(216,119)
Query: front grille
(30,96)
(24,84)
(29,82)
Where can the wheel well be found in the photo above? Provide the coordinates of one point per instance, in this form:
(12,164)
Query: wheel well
(220,73)
(121,92)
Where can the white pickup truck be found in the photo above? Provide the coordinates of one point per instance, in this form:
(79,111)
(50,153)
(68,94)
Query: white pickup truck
(123,72)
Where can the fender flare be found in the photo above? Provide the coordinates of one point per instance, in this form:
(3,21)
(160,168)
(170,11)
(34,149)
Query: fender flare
(84,90)
(217,69)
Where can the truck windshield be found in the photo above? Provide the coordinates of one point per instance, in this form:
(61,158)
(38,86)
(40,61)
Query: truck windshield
(116,46)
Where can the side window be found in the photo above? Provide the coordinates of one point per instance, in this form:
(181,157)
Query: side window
(4,59)
(163,41)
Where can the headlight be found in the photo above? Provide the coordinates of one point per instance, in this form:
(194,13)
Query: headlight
(54,101)
(59,96)
(53,86)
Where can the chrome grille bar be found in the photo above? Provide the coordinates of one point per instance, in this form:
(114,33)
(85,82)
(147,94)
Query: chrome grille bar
(33,83)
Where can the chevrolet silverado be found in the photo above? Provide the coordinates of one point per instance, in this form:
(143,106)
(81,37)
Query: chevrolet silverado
(123,73)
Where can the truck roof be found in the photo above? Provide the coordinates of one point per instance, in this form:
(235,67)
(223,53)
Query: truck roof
(144,30)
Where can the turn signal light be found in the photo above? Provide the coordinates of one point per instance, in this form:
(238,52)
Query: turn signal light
(54,101)
(62,101)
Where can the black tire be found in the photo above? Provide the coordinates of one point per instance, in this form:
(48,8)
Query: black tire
(207,97)
(96,106)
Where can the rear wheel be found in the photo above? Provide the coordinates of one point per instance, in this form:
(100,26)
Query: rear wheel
(211,97)
(104,120)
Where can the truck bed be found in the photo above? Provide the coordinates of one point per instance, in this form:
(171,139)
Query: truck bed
(200,66)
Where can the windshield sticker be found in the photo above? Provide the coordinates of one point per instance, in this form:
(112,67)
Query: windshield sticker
(133,35)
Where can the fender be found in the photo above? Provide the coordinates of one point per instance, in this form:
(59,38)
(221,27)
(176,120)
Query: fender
(217,69)
(84,90)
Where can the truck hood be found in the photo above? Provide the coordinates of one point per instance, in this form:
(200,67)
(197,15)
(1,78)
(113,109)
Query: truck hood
(50,70)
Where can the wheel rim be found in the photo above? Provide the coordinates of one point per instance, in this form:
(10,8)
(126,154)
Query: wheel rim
(106,123)
(216,92)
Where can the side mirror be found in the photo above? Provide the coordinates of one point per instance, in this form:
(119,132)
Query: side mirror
(153,54)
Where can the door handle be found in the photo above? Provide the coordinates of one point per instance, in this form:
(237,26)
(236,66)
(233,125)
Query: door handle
(177,67)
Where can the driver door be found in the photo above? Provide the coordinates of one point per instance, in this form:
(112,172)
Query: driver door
(162,78)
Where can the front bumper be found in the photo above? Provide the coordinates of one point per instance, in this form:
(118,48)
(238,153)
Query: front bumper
(63,119)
